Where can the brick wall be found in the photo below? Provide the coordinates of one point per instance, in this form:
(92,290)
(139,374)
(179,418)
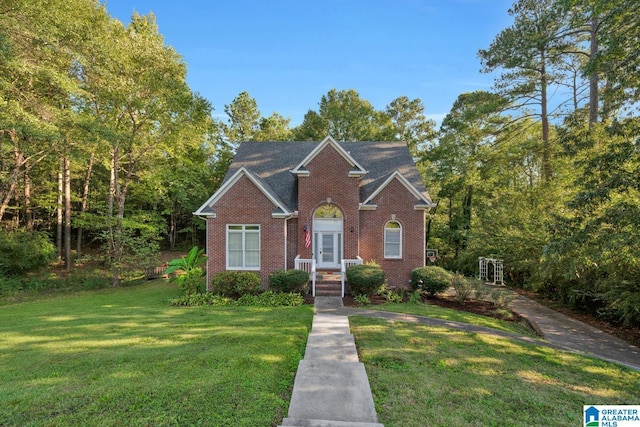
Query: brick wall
(329,178)
(245,204)
(295,240)
(394,201)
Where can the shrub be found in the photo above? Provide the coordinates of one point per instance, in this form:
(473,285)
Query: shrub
(234,284)
(22,251)
(415,297)
(271,299)
(462,287)
(191,280)
(361,300)
(289,281)
(480,290)
(205,298)
(366,279)
(391,295)
(265,299)
(431,279)
(501,299)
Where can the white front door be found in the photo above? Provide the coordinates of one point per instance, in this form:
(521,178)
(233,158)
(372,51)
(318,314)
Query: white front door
(327,237)
(328,249)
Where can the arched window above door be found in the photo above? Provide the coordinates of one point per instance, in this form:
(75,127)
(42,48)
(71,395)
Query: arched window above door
(327,211)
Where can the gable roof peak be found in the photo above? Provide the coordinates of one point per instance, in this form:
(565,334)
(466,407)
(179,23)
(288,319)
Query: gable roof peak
(423,202)
(207,208)
(301,168)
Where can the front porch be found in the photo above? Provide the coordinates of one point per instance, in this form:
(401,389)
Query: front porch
(325,282)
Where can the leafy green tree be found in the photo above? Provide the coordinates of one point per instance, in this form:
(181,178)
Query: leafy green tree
(141,95)
(313,128)
(616,29)
(343,115)
(592,263)
(274,128)
(530,52)
(466,136)
(349,117)
(244,119)
(409,124)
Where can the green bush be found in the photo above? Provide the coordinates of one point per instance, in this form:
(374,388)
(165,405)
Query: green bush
(393,295)
(22,251)
(271,299)
(462,287)
(234,284)
(289,281)
(365,279)
(431,279)
(265,299)
(190,281)
(361,300)
(205,298)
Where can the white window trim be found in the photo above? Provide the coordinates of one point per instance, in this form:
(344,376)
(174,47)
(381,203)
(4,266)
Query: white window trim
(244,232)
(384,248)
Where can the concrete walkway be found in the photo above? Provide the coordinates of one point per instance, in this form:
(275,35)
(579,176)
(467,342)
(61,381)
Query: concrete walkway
(576,336)
(558,330)
(331,388)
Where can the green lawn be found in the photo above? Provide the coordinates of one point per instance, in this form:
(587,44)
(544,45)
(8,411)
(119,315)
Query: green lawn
(124,357)
(437,312)
(423,375)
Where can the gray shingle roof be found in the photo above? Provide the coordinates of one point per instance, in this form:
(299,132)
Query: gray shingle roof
(273,161)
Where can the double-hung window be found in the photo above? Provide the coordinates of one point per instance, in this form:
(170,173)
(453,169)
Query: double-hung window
(393,240)
(243,247)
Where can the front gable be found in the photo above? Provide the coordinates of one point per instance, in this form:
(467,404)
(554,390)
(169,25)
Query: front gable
(422,202)
(208,208)
(356,169)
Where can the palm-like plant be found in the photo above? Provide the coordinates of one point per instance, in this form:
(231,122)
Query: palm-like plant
(190,266)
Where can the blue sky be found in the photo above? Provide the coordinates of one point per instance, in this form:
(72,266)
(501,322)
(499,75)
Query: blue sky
(287,53)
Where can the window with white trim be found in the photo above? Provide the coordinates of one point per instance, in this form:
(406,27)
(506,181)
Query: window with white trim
(243,247)
(392,240)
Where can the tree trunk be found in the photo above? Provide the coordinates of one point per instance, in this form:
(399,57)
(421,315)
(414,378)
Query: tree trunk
(593,78)
(13,176)
(113,223)
(67,213)
(28,212)
(84,204)
(466,215)
(172,229)
(59,209)
(547,171)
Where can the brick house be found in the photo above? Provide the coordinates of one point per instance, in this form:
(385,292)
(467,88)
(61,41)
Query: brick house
(319,207)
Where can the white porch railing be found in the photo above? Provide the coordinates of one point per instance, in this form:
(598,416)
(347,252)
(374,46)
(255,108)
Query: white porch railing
(346,263)
(308,265)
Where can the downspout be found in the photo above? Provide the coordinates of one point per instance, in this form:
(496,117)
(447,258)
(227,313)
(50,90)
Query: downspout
(286,236)
(286,239)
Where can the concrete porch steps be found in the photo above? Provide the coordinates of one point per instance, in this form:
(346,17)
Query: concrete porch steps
(327,288)
(328,284)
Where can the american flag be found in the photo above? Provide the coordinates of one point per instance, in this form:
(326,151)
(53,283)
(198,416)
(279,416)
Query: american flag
(307,236)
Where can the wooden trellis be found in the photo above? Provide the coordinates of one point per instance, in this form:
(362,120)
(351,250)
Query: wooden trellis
(498,268)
